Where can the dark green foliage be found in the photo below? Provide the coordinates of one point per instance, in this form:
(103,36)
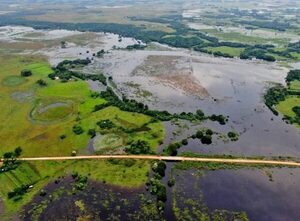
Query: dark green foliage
(206,139)
(41,83)
(219,118)
(159,167)
(106,124)
(292,76)
(80,182)
(296,110)
(158,189)
(258,53)
(26,73)
(92,133)
(9,160)
(18,191)
(100,53)
(171,182)
(62,70)
(171,149)
(185,142)
(182,42)
(77,129)
(233,136)
(62,137)
(136,47)
(209,132)
(199,134)
(18,151)
(274,95)
(276,25)
(138,147)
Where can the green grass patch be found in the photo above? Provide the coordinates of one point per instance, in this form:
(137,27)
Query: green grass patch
(227,50)
(11,81)
(295,85)
(285,107)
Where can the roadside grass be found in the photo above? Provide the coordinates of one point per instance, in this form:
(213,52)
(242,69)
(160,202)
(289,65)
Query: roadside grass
(228,50)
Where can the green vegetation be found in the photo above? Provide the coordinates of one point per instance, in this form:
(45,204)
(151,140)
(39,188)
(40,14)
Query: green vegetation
(286,99)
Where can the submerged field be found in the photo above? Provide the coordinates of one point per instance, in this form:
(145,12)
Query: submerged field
(172,78)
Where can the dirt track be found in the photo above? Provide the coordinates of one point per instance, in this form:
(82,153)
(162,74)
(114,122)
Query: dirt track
(169,158)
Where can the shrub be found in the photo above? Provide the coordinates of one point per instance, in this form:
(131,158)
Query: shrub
(206,139)
(26,73)
(77,129)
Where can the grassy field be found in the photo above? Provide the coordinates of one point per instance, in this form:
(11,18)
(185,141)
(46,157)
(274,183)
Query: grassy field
(285,107)
(38,132)
(36,117)
(228,50)
(295,85)
(238,37)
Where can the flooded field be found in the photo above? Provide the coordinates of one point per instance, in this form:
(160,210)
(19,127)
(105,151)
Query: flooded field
(256,192)
(176,80)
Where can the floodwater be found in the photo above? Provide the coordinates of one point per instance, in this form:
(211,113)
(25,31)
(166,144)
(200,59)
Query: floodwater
(233,88)
(180,80)
(253,192)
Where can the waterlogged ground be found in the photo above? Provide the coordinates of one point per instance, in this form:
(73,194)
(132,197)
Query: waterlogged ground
(177,80)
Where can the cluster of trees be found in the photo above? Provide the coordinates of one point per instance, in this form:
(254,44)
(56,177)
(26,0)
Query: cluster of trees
(106,124)
(292,76)
(136,47)
(100,53)
(156,187)
(183,36)
(138,147)
(276,25)
(233,136)
(134,106)
(181,42)
(278,93)
(258,53)
(10,160)
(18,192)
(204,136)
(80,181)
(26,73)
(63,72)
(274,95)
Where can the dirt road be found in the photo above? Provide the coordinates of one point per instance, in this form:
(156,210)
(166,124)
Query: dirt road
(169,158)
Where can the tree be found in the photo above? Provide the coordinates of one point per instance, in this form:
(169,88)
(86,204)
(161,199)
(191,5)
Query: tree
(77,129)
(41,82)
(26,73)
(18,151)
(199,134)
(206,139)
(92,133)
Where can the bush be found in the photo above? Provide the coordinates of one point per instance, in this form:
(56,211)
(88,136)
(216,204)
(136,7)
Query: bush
(199,134)
(77,129)
(185,142)
(106,124)
(207,139)
(92,133)
(41,83)
(26,73)
(138,147)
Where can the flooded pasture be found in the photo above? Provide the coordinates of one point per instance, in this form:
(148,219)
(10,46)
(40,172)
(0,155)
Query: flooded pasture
(254,191)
